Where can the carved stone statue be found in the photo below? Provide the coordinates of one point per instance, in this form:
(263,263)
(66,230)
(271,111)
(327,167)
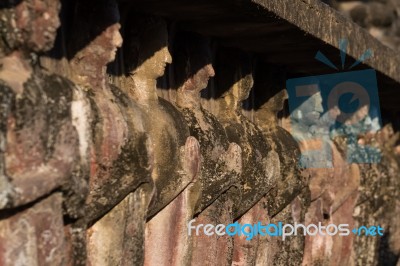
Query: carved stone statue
(287,201)
(121,152)
(221,160)
(378,201)
(291,180)
(260,162)
(333,181)
(176,155)
(38,141)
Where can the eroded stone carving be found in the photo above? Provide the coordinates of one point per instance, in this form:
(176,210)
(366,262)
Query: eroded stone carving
(34,235)
(176,155)
(121,152)
(38,141)
(333,181)
(218,249)
(291,180)
(259,161)
(378,201)
(221,160)
(287,202)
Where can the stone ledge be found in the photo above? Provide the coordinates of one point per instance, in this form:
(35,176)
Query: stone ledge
(330,31)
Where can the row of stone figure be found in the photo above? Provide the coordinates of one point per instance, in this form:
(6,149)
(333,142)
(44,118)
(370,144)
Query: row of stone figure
(121,156)
(131,169)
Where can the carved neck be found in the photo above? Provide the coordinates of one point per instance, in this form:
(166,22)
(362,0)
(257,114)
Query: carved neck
(142,89)
(233,103)
(267,119)
(188,97)
(230,107)
(89,76)
(15,70)
(17,58)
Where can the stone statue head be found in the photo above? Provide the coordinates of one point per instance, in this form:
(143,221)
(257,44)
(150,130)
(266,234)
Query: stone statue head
(241,90)
(95,37)
(268,111)
(270,87)
(309,112)
(276,103)
(96,31)
(192,62)
(28,25)
(235,75)
(146,47)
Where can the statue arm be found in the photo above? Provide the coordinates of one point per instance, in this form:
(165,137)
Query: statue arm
(33,175)
(34,182)
(5,185)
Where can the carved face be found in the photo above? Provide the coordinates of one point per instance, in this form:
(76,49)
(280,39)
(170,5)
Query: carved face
(310,111)
(201,78)
(155,65)
(111,40)
(102,49)
(277,101)
(243,87)
(154,53)
(38,21)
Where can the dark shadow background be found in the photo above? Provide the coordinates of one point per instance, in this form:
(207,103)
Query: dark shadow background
(9,3)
